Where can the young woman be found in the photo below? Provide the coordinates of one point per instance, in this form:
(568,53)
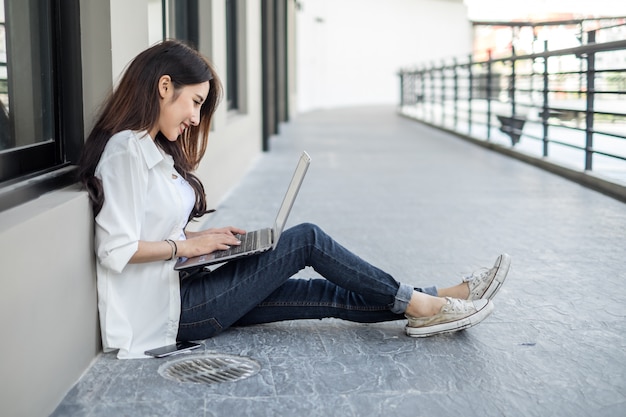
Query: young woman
(137,166)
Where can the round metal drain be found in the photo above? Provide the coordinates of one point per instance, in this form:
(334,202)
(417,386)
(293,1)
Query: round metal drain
(209,369)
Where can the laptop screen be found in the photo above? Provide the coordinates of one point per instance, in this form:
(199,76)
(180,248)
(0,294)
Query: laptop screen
(290,196)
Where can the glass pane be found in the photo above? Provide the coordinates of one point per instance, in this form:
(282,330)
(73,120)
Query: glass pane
(5,137)
(182,21)
(26,113)
(231,54)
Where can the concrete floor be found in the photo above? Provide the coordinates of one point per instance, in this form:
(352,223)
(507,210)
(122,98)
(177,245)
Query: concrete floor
(555,345)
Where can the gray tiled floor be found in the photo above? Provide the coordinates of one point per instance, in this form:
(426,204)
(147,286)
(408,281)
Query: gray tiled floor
(554,346)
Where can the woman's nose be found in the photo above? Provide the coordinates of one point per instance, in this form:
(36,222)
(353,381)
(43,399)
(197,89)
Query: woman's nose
(195,119)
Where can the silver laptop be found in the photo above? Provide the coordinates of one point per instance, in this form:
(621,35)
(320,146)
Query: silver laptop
(260,240)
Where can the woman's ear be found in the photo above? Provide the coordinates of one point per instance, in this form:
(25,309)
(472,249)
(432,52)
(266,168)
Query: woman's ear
(165,86)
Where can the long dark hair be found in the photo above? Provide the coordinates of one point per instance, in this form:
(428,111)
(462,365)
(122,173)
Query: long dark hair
(134,105)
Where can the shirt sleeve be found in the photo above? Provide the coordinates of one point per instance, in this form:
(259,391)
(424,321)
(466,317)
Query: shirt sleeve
(124,177)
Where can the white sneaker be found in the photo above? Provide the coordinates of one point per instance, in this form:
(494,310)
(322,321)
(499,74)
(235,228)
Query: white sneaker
(485,283)
(454,316)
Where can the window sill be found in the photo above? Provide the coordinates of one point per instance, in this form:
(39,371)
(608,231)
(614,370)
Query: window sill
(24,190)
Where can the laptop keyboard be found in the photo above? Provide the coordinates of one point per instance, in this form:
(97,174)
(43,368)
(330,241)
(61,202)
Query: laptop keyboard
(249,242)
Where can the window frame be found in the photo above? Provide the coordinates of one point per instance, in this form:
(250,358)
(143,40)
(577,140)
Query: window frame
(232,55)
(30,171)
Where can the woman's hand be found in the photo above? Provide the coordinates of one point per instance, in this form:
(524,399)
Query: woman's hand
(197,243)
(207,241)
(228,229)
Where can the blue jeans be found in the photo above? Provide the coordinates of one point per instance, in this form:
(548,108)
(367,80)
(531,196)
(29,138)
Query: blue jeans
(260,289)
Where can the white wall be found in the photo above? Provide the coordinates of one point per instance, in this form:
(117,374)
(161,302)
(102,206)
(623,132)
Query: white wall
(349,51)
(48,316)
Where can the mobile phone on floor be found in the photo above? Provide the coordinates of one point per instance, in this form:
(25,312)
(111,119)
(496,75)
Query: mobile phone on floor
(175,349)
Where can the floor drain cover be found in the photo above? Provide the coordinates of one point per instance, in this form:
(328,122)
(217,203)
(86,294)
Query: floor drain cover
(209,369)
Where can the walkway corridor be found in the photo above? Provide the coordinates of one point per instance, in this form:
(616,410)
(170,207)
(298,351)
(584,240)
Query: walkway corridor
(427,207)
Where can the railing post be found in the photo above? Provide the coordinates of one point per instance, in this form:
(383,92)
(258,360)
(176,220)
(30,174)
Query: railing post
(432,93)
(412,87)
(401,89)
(591,85)
(545,113)
(489,95)
(470,95)
(581,31)
(513,76)
(423,91)
(443,93)
(456,93)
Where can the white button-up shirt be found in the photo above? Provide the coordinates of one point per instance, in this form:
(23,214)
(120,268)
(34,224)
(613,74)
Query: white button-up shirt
(139,304)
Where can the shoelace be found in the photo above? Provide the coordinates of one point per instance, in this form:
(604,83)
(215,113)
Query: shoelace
(478,274)
(457,306)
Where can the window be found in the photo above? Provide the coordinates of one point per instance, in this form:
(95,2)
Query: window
(232,66)
(183,21)
(41,123)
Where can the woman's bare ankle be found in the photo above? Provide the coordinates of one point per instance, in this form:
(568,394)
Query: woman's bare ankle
(458,291)
(424,305)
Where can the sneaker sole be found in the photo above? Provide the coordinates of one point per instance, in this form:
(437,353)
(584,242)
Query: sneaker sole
(453,326)
(503,269)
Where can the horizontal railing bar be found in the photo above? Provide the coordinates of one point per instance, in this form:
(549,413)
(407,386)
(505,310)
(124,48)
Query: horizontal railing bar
(567,22)
(610,155)
(569,145)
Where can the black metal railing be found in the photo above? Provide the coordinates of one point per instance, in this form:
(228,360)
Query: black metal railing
(567,104)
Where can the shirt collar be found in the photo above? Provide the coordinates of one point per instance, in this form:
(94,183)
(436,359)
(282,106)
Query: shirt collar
(149,150)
